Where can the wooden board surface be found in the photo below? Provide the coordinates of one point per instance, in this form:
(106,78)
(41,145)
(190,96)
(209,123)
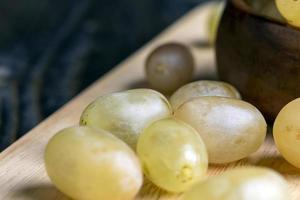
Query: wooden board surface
(22,173)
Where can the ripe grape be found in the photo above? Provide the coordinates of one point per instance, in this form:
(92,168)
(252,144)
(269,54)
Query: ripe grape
(203,88)
(169,66)
(290,10)
(254,183)
(231,129)
(173,154)
(89,164)
(286,132)
(126,114)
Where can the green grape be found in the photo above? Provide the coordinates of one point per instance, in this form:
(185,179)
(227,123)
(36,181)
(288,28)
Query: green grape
(266,8)
(173,155)
(253,183)
(89,164)
(214,20)
(286,132)
(230,128)
(290,10)
(126,114)
(203,88)
(169,66)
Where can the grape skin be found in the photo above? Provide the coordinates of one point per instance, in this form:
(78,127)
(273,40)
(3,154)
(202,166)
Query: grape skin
(253,183)
(126,114)
(173,155)
(286,132)
(88,164)
(169,66)
(230,128)
(203,88)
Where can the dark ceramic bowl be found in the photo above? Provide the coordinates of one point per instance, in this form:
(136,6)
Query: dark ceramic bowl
(260,57)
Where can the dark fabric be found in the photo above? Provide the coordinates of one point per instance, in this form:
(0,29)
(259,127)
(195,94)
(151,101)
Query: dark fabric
(52,49)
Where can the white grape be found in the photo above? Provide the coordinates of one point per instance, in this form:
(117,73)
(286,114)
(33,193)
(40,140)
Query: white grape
(89,164)
(230,128)
(173,155)
(125,114)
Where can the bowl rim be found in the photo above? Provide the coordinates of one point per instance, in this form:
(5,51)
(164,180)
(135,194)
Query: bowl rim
(241,5)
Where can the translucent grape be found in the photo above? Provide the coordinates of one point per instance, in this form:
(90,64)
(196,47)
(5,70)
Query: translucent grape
(173,155)
(169,66)
(286,132)
(203,88)
(126,114)
(90,164)
(253,183)
(290,10)
(230,128)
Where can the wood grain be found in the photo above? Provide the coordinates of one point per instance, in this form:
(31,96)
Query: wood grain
(22,173)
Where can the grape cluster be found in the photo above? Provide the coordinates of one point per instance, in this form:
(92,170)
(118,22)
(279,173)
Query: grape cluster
(125,135)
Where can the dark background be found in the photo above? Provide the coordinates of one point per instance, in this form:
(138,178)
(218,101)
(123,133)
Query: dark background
(52,49)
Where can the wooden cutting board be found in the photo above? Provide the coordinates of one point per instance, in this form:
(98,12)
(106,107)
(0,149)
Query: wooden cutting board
(22,173)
